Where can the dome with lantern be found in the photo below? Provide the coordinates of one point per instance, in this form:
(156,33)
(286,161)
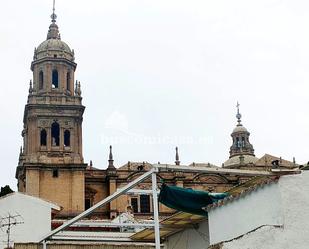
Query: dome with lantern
(241,151)
(53,46)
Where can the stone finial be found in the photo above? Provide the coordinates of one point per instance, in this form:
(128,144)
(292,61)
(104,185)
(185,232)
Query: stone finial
(30,87)
(177,162)
(34,54)
(110,158)
(91,164)
(77,89)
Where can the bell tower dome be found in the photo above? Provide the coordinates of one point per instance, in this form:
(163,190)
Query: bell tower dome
(241,151)
(240,135)
(51,164)
(53,64)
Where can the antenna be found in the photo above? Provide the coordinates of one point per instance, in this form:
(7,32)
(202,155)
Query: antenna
(9,221)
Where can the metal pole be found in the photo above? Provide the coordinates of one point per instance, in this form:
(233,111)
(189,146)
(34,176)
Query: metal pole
(44,244)
(155,208)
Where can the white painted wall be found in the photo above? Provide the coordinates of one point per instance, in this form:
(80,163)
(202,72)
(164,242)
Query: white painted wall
(258,208)
(294,191)
(35,213)
(190,238)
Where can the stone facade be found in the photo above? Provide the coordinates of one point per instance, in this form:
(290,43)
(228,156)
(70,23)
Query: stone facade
(51,164)
(100,184)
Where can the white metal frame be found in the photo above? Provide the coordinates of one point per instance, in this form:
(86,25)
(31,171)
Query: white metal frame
(153,173)
(113,224)
(99,204)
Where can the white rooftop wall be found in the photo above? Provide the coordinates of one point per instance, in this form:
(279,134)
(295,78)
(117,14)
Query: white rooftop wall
(35,213)
(238,217)
(294,234)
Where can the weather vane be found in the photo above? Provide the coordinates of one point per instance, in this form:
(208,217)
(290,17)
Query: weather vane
(54,16)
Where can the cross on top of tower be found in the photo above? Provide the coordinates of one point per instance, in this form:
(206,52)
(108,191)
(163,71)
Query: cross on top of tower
(238,115)
(53,32)
(53,15)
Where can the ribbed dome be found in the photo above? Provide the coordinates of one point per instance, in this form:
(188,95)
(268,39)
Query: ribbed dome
(54,45)
(247,159)
(239,128)
(54,48)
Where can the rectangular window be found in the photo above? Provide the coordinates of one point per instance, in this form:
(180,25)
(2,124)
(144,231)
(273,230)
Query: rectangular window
(55,173)
(145,203)
(134,205)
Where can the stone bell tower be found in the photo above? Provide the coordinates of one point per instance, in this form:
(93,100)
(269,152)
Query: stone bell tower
(51,161)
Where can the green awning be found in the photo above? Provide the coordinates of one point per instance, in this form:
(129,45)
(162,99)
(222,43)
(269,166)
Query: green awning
(188,200)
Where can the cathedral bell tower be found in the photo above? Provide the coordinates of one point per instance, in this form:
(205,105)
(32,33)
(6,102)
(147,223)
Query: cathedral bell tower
(51,161)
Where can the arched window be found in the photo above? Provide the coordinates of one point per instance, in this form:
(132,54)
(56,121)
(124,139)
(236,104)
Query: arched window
(55,80)
(55,133)
(243,142)
(238,143)
(41,80)
(43,137)
(66,138)
(68,80)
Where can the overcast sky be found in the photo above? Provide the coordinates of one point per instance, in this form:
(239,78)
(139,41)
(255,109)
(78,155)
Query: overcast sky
(160,74)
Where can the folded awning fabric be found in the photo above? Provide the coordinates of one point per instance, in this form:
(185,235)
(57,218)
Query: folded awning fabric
(188,200)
